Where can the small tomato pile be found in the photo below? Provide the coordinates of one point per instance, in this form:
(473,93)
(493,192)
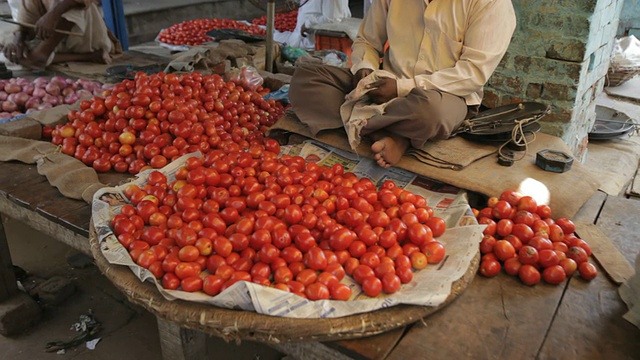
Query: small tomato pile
(248,215)
(154,119)
(194,32)
(282,22)
(522,237)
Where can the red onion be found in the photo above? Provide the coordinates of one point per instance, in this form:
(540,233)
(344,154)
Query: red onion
(21,81)
(21,98)
(58,80)
(39,92)
(32,103)
(11,88)
(5,115)
(28,89)
(70,99)
(40,81)
(53,100)
(82,93)
(67,91)
(52,88)
(3,95)
(45,106)
(9,106)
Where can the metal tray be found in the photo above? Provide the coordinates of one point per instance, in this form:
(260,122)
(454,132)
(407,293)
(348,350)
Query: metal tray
(611,124)
(226,34)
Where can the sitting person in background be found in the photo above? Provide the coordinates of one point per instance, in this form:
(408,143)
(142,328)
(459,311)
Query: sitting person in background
(441,52)
(95,44)
(312,13)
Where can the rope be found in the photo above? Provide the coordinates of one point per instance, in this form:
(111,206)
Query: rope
(45,156)
(519,138)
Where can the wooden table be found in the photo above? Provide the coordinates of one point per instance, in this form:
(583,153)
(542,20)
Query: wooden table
(495,318)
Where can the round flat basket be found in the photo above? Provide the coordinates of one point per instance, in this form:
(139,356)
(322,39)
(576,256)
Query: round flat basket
(245,325)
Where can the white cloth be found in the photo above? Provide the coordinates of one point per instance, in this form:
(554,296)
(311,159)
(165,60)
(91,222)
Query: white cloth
(358,109)
(446,45)
(314,12)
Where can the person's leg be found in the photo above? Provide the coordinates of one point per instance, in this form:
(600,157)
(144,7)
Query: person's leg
(316,93)
(39,56)
(411,121)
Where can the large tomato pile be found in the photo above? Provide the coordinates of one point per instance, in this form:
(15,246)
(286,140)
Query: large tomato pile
(282,21)
(154,119)
(194,32)
(522,238)
(248,215)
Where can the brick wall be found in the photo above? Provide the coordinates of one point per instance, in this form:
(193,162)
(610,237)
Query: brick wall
(559,56)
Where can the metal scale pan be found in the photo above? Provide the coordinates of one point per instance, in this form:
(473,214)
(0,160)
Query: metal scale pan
(611,124)
(497,124)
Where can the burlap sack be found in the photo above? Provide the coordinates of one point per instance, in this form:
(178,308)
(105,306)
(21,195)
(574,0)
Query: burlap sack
(565,192)
(71,176)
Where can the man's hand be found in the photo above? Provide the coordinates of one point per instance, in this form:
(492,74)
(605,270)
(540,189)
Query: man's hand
(303,30)
(384,90)
(360,74)
(15,51)
(46,25)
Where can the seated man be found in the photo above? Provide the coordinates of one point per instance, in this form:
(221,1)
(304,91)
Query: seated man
(442,53)
(79,16)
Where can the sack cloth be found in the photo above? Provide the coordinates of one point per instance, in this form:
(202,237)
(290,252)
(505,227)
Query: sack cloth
(71,176)
(202,58)
(630,294)
(358,109)
(564,192)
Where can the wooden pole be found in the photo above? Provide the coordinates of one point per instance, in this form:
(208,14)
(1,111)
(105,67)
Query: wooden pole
(271,10)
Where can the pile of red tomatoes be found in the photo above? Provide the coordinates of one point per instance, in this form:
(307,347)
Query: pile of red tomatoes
(154,119)
(282,21)
(523,239)
(249,215)
(194,32)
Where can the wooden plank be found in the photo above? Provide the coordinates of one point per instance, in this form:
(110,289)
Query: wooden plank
(619,221)
(495,318)
(603,249)
(44,225)
(376,347)
(589,324)
(8,286)
(179,343)
(589,212)
(14,175)
(309,351)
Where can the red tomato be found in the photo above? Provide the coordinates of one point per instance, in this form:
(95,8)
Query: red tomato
(490,268)
(372,286)
(554,274)
(434,251)
(504,250)
(529,275)
(587,271)
(512,266)
(437,225)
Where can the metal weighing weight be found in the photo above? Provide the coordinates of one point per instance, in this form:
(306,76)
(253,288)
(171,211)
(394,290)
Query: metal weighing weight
(554,161)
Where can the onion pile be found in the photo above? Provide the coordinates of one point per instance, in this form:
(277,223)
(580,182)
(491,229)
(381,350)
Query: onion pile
(23,96)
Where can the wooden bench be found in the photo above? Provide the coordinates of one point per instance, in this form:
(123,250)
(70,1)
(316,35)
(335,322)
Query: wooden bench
(493,319)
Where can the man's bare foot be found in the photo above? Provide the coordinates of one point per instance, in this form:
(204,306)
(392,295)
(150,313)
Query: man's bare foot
(389,150)
(102,57)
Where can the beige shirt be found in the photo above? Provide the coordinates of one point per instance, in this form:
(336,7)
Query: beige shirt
(448,45)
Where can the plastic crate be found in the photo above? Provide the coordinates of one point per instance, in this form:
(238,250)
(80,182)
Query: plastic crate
(336,40)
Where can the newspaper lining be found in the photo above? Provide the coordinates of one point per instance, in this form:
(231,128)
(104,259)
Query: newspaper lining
(430,286)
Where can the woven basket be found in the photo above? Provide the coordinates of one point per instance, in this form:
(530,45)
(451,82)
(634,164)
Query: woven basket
(618,76)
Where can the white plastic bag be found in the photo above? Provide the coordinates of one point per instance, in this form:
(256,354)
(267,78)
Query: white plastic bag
(626,53)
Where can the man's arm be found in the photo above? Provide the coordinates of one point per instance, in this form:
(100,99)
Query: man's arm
(372,35)
(46,25)
(485,43)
